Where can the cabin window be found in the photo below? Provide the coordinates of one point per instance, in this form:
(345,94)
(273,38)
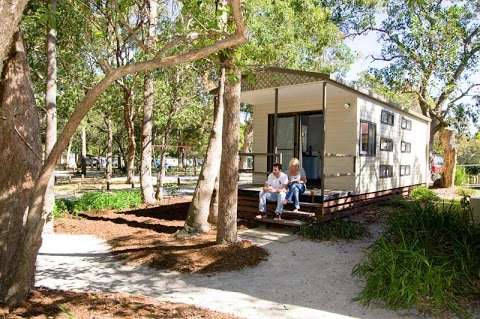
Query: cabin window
(368,136)
(386,171)
(404,170)
(406,124)
(386,144)
(406,147)
(387,117)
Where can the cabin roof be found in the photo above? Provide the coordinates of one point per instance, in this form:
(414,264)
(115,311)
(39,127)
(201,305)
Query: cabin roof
(275,77)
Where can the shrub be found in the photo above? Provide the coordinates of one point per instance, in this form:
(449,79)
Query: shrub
(424,194)
(428,257)
(62,207)
(460,176)
(103,200)
(334,230)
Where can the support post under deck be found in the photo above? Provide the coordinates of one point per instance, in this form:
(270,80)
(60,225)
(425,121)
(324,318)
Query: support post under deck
(275,126)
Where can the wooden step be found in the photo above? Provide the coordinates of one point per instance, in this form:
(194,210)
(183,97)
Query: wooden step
(289,214)
(284,222)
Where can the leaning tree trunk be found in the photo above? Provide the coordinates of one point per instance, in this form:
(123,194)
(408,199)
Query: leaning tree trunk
(228,186)
(197,219)
(128,118)
(447,138)
(109,168)
(21,159)
(51,103)
(247,141)
(146,183)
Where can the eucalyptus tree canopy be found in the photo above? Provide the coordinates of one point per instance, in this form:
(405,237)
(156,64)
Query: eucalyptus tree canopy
(432,50)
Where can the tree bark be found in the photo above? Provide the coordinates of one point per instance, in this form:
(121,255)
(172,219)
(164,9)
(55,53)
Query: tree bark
(247,141)
(198,212)
(109,168)
(128,118)
(51,102)
(447,138)
(21,159)
(213,214)
(83,156)
(10,16)
(228,185)
(17,289)
(148,101)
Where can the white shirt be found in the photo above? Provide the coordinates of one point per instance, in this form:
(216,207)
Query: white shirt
(279,182)
(298,177)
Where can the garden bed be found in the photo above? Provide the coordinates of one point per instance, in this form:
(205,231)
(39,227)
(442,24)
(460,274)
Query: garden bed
(148,237)
(45,303)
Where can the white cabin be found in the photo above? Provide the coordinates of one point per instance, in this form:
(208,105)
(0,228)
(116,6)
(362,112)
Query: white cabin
(347,139)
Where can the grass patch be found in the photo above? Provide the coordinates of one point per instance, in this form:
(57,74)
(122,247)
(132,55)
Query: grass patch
(428,258)
(424,194)
(98,201)
(465,191)
(338,229)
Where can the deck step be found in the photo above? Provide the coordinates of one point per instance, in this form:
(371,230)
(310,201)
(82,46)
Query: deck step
(290,214)
(284,222)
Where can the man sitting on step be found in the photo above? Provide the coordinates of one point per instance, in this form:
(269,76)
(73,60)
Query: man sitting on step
(275,189)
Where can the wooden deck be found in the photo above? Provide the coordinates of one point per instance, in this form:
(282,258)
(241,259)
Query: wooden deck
(312,205)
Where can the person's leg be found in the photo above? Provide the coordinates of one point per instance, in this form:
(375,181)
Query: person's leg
(262,203)
(297,191)
(289,195)
(280,199)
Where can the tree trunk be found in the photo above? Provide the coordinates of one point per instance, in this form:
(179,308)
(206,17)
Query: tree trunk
(148,101)
(83,156)
(213,215)
(197,219)
(128,118)
(159,194)
(10,16)
(247,141)
(21,157)
(447,138)
(109,168)
(69,155)
(51,102)
(228,185)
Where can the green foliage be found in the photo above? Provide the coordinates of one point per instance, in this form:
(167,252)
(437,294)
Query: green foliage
(424,194)
(428,257)
(464,191)
(98,201)
(338,229)
(103,200)
(460,176)
(62,207)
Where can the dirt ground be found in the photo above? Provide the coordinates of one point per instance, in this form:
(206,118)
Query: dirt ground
(46,303)
(143,237)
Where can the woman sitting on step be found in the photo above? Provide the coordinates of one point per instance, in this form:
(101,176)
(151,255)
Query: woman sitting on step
(297,181)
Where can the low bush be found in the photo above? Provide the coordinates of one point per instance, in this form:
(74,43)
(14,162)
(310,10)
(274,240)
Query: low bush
(103,200)
(424,194)
(337,229)
(460,176)
(428,258)
(98,201)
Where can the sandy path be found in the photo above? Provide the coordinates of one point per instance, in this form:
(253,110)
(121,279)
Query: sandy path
(301,279)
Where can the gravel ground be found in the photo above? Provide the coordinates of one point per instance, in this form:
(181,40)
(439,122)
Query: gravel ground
(301,279)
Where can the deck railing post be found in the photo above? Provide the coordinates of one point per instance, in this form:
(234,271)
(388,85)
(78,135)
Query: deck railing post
(275,124)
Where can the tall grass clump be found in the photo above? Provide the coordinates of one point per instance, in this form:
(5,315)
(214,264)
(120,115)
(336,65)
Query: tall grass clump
(460,176)
(428,258)
(424,194)
(338,229)
(103,200)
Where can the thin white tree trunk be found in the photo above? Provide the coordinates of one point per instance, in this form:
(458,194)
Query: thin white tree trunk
(51,103)
(128,118)
(146,183)
(197,219)
(228,185)
(109,168)
(247,141)
(83,156)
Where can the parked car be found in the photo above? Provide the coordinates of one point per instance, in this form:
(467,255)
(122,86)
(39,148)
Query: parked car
(436,167)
